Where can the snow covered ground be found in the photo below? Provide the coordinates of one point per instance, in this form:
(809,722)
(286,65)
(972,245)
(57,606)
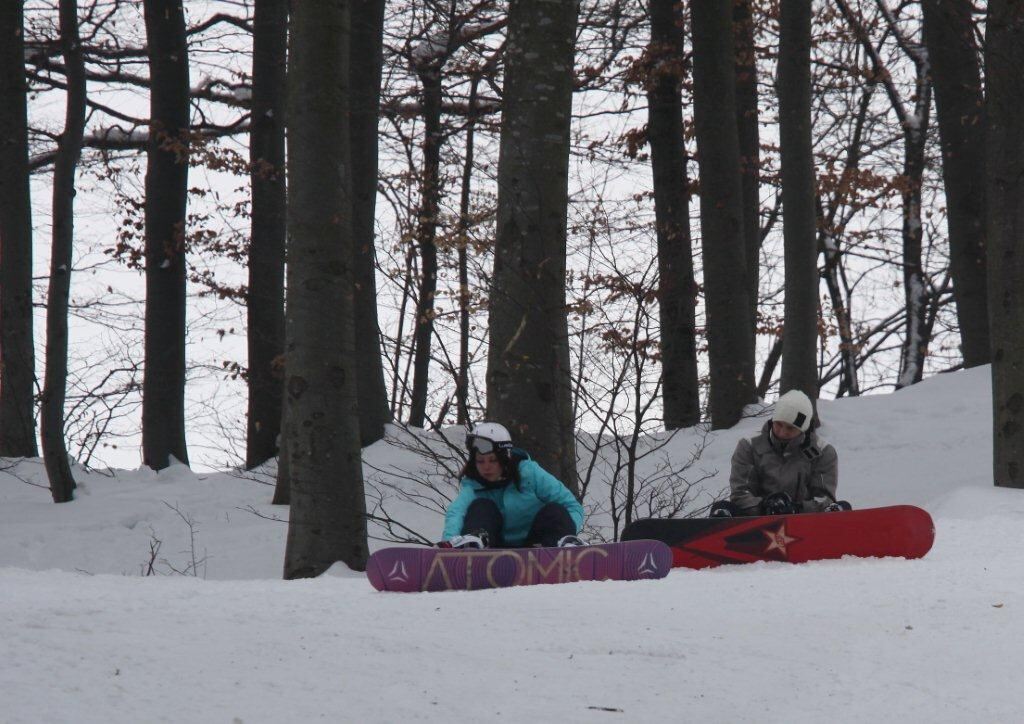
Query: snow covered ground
(85,636)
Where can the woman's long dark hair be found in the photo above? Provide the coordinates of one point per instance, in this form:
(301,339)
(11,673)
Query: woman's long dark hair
(509,467)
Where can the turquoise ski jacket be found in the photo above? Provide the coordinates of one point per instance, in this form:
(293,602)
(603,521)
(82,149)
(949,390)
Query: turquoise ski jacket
(518,506)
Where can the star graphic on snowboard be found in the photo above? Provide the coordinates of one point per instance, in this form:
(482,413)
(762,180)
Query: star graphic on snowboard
(777,539)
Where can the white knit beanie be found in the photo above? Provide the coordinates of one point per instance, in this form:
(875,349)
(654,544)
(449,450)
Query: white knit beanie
(795,408)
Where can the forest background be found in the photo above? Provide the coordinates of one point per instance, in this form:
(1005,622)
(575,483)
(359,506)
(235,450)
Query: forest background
(645,153)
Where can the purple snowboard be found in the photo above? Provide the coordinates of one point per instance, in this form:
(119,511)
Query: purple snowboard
(446,569)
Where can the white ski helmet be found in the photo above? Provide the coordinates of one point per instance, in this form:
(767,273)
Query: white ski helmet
(487,437)
(795,408)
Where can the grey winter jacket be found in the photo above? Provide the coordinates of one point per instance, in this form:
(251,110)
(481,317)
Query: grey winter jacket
(806,468)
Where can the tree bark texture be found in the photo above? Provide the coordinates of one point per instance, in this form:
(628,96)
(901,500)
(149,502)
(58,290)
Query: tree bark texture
(328,508)
(462,376)
(915,286)
(726,288)
(365,73)
(163,387)
(750,146)
(69,151)
(1004,58)
(269,227)
(426,234)
(799,219)
(956,78)
(17,352)
(677,290)
(528,375)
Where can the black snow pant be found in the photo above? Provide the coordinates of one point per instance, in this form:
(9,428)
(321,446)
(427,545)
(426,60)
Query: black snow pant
(551,523)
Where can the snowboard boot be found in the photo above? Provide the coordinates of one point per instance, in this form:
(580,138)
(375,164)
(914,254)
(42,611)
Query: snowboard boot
(570,541)
(478,539)
(838,506)
(722,509)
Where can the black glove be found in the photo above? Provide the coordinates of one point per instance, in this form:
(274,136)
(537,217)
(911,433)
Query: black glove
(779,504)
(838,506)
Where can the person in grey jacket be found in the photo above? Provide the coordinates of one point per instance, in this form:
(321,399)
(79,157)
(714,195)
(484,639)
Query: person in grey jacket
(785,469)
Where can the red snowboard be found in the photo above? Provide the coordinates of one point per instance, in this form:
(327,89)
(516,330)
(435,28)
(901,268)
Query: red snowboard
(899,530)
(445,569)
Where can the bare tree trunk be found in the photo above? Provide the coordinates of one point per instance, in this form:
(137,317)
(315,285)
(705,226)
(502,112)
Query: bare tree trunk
(956,78)
(915,285)
(328,506)
(1004,58)
(267,247)
(750,146)
(799,220)
(772,361)
(163,387)
(462,378)
(430,80)
(69,150)
(726,287)
(528,376)
(914,125)
(367,59)
(835,274)
(677,290)
(17,350)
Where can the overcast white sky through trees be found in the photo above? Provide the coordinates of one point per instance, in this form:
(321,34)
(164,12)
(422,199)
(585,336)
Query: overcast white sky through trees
(610,233)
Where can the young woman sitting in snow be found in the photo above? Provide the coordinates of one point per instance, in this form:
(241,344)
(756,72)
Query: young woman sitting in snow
(785,469)
(507,499)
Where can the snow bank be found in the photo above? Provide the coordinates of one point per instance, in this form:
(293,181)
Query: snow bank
(85,637)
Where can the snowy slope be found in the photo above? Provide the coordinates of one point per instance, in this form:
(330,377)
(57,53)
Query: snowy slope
(84,637)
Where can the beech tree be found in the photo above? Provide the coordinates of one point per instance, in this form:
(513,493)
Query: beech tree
(913,116)
(747,122)
(1004,106)
(528,375)
(726,289)
(367,58)
(265,303)
(677,289)
(880,210)
(17,350)
(428,61)
(953,55)
(167,150)
(69,150)
(328,507)
(429,58)
(796,156)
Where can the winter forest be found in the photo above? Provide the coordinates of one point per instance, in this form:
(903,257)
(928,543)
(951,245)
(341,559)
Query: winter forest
(263,235)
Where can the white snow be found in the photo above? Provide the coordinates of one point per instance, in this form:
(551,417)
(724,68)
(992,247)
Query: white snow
(84,637)
(115,134)
(429,49)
